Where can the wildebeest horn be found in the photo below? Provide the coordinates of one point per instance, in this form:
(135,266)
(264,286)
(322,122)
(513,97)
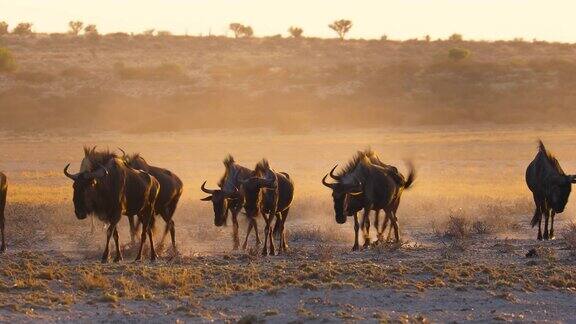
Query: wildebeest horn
(573,178)
(123,153)
(208,191)
(335,177)
(329,185)
(71,176)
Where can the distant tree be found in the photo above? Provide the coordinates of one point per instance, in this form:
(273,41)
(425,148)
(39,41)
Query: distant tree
(341,27)
(91,30)
(295,32)
(427,38)
(75,27)
(237,29)
(241,30)
(247,31)
(457,54)
(455,38)
(7,62)
(23,29)
(3,28)
(149,32)
(384,37)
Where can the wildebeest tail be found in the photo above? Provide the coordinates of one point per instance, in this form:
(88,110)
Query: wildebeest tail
(411,175)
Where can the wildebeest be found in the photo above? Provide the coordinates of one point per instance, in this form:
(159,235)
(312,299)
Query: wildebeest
(229,198)
(107,187)
(550,188)
(269,193)
(167,200)
(3,193)
(380,188)
(355,203)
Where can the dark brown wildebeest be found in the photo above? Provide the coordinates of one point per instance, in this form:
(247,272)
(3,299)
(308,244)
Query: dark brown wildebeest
(355,203)
(550,188)
(268,193)
(380,189)
(167,200)
(3,193)
(107,187)
(229,198)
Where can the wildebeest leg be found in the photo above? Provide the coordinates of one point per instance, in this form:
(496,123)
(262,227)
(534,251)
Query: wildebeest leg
(366,228)
(3,246)
(142,240)
(356,246)
(109,233)
(153,255)
(395,223)
(539,223)
(547,216)
(255,225)
(92,226)
(266,230)
(551,235)
(283,244)
(383,228)
(132,229)
(250,225)
(117,243)
(376,224)
(270,232)
(235,236)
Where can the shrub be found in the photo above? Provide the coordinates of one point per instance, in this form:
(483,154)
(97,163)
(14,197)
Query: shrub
(3,28)
(35,76)
(161,72)
(295,32)
(23,29)
(7,62)
(149,32)
(455,38)
(458,227)
(458,54)
(341,27)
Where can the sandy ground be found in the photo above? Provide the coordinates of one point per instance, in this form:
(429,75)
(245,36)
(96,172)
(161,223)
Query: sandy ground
(51,271)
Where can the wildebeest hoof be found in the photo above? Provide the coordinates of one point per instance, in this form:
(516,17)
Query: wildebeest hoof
(118,258)
(355,248)
(3,249)
(104,260)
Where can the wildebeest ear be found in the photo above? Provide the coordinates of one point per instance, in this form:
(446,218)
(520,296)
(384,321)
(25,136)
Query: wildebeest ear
(209,198)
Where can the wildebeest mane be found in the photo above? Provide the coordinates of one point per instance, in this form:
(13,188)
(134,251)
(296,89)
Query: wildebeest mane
(352,164)
(99,157)
(228,162)
(262,167)
(550,157)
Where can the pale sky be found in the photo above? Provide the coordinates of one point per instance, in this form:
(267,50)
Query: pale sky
(552,20)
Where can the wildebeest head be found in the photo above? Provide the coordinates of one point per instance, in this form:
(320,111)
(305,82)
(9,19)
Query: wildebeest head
(559,189)
(85,183)
(252,192)
(340,195)
(220,200)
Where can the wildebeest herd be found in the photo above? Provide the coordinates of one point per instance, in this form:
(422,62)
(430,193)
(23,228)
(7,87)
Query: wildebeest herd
(109,185)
